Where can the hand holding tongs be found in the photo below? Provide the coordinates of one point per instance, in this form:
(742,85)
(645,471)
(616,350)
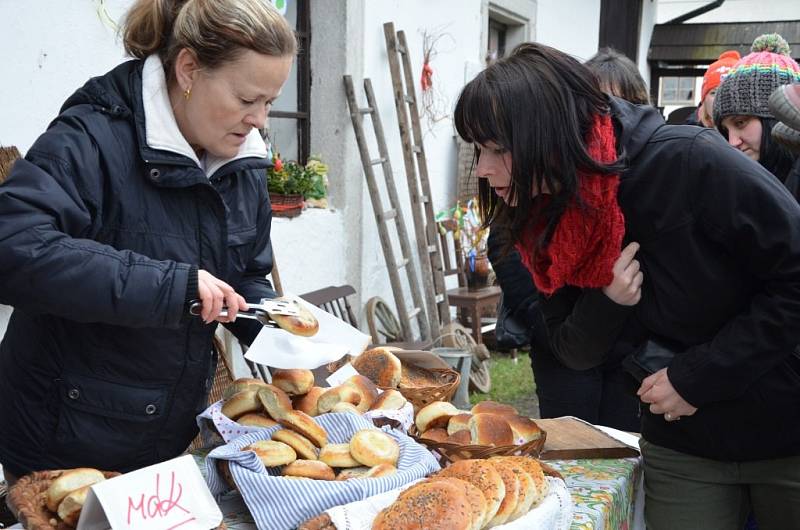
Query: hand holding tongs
(262,311)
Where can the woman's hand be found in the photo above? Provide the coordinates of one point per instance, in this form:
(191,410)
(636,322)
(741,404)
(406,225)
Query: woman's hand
(626,288)
(216,294)
(663,398)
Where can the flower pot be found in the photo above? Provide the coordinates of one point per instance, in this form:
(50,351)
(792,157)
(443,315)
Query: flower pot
(477,271)
(286,205)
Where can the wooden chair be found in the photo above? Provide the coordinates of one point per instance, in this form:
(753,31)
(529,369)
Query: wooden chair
(470,302)
(333,299)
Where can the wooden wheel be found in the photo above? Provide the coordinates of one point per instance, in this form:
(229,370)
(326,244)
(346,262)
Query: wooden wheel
(383,325)
(454,335)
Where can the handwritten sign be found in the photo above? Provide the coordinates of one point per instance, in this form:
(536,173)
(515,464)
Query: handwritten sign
(166,496)
(341,375)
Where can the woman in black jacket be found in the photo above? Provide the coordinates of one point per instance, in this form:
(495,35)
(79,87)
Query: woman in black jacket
(598,394)
(146,192)
(577,176)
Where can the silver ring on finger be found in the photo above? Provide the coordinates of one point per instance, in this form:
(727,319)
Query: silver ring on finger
(668,416)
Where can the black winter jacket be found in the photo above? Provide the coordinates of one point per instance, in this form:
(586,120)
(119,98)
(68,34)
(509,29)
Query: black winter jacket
(101,239)
(720,253)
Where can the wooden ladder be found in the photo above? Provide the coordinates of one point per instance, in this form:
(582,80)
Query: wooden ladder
(385,217)
(419,188)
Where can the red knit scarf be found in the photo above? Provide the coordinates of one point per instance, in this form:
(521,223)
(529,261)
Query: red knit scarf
(588,238)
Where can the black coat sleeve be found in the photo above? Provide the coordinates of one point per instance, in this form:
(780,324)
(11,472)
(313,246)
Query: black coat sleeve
(579,326)
(49,207)
(741,207)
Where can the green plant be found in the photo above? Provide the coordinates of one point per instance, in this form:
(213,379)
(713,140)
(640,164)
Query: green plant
(291,178)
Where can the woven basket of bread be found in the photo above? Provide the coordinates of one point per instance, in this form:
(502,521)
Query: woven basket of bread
(420,376)
(451,452)
(27,500)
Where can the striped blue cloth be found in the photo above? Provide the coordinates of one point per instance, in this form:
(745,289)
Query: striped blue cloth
(277,503)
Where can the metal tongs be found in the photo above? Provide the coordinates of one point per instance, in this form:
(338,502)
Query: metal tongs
(261,311)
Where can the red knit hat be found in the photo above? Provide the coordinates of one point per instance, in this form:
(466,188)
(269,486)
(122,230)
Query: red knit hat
(713,76)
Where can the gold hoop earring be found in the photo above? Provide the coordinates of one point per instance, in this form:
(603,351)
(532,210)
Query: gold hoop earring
(187,93)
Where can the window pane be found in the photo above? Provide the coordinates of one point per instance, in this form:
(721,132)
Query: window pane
(669,83)
(669,95)
(283,135)
(287,101)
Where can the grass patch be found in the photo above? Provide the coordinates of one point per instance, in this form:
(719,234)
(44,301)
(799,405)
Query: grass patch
(510,381)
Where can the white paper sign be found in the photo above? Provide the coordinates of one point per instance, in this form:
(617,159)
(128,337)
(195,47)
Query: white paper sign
(335,338)
(341,375)
(169,495)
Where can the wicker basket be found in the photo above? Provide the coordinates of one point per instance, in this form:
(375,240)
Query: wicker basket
(286,205)
(420,396)
(450,452)
(27,500)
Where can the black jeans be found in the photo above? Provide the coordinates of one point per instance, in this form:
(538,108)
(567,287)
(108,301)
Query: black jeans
(604,395)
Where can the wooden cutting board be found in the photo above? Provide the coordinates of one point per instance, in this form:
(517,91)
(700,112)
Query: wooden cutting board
(569,438)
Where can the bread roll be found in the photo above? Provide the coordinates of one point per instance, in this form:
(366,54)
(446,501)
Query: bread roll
(344,406)
(493,407)
(528,492)
(252,419)
(436,414)
(304,424)
(295,382)
(338,455)
(313,469)
(275,401)
(431,505)
(390,400)
(483,476)
(490,429)
(460,438)
(381,366)
(272,453)
(476,500)
(366,389)
(511,498)
(534,469)
(337,394)
(459,422)
(438,434)
(381,470)
(524,429)
(69,510)
(68,482)
(308,402)
(243,383)
(353,472)
(301,445)
(304,323)
(371,447)
(241,403)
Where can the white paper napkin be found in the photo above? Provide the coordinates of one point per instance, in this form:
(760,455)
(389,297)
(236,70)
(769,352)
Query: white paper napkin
(335,338)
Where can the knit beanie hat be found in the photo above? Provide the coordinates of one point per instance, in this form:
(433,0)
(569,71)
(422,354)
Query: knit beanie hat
(745,90)
(720,67)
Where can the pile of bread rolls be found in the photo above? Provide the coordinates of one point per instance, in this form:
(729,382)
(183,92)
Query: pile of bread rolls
(488,423)
(254,403)
(370,453)
(470,495)
(66,494)
(383,368)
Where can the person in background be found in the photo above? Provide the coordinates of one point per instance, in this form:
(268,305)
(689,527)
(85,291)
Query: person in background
(598,394)
(741,106)
(704,116)
(147,192)
(618,76)
(594,191)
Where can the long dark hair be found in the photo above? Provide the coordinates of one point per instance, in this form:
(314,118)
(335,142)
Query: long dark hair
(538,103)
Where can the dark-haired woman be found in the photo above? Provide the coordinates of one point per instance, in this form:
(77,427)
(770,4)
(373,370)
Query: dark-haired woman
(146,192)
(577,176)
(600,394)
(741,107)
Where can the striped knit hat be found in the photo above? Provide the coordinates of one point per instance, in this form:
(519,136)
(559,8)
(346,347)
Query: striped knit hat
(746,89)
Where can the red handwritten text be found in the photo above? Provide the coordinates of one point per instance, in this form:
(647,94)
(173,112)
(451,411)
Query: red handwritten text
(154,505)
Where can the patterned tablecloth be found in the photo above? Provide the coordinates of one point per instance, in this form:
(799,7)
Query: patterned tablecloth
(604,493)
